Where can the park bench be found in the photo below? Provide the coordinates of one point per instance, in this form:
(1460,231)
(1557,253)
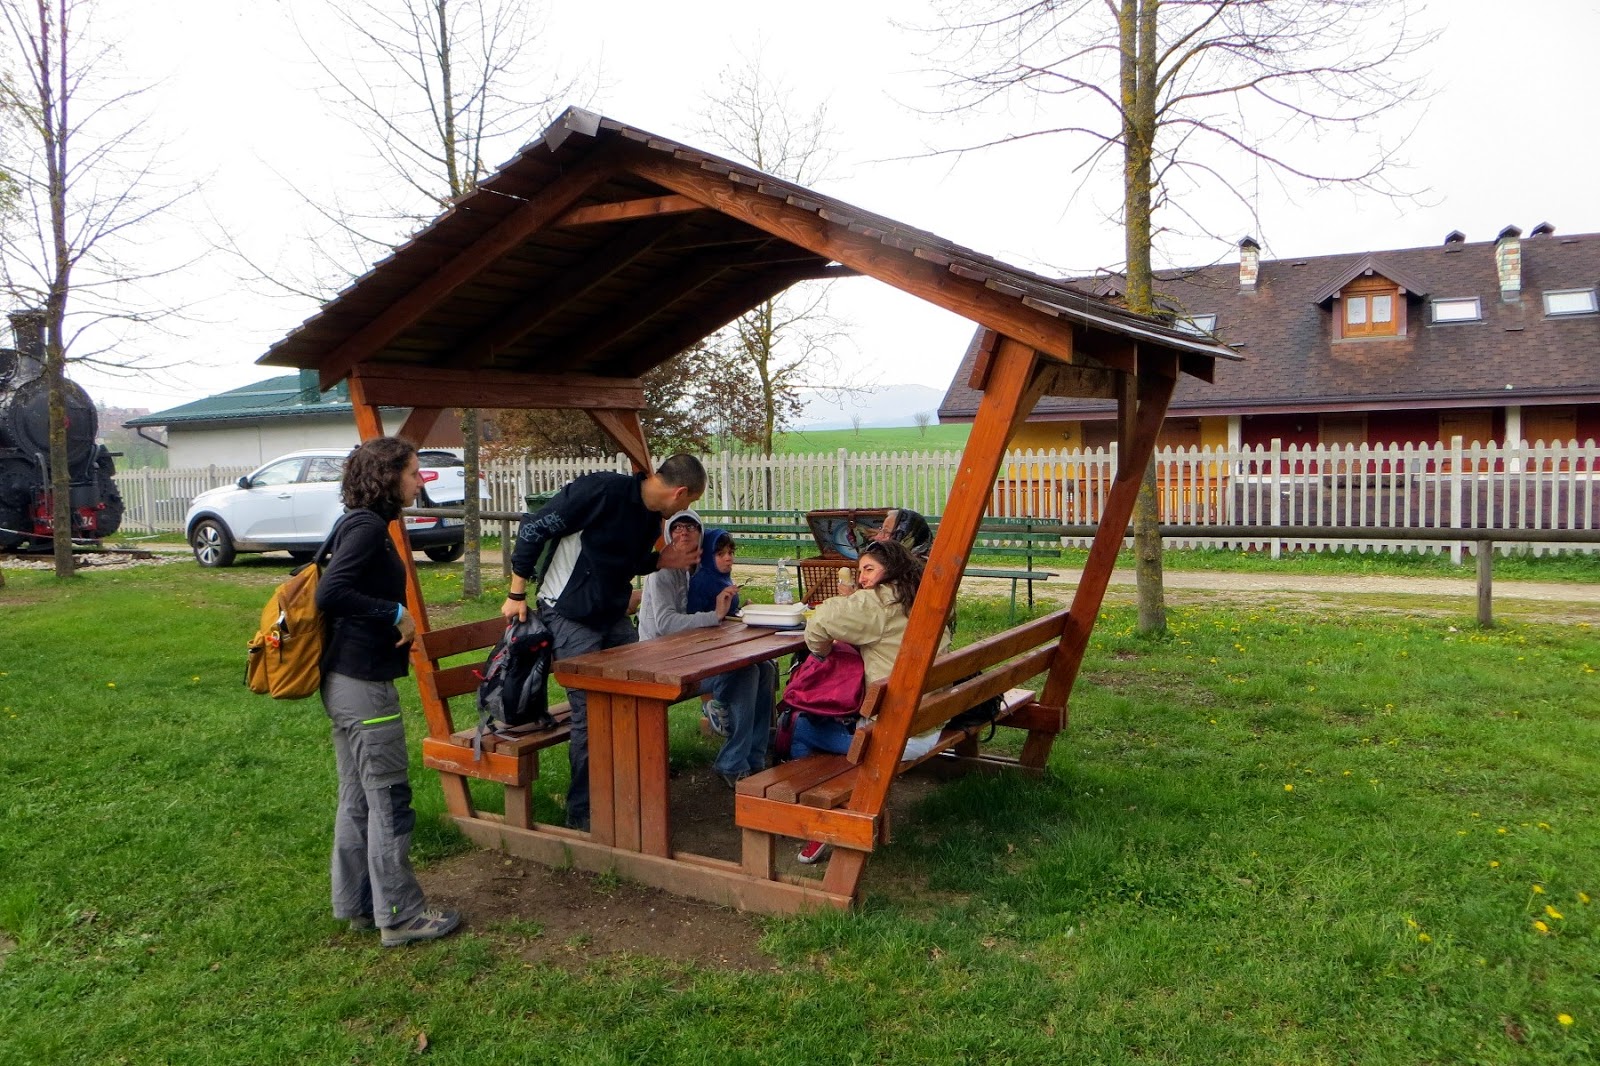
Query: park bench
(784,530)
(812,798)
(509,757)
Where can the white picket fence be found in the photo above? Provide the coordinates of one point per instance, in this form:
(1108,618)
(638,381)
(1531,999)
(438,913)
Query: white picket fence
(1526,486)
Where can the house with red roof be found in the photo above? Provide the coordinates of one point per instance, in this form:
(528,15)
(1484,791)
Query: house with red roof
(1492,341)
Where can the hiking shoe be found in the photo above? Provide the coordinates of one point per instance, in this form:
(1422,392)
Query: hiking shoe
(429,925)
(362,923)
(814,851)
(717,714)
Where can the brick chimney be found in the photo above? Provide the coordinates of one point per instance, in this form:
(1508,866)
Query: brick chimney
(1249,264)
(1508,263)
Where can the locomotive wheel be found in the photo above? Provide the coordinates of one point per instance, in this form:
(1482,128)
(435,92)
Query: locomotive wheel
(445,553)
(211,544)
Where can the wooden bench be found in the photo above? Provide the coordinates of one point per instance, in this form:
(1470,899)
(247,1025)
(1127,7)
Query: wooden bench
(784,530)
(811,798)
(510,756)
(1013,576)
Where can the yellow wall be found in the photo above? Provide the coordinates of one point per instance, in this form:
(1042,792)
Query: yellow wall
(1067,436)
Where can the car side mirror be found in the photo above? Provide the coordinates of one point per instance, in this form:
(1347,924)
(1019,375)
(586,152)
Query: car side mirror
(244,481)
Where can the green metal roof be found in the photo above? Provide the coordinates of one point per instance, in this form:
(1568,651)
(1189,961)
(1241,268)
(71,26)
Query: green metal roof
(274,398)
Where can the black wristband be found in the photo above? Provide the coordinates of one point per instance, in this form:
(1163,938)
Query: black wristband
(517,596)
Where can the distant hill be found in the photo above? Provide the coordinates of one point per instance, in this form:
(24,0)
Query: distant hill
(884,405)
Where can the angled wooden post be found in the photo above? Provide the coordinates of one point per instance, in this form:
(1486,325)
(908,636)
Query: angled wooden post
(1014,385)
(458,801)
(1140,411)
(625,428)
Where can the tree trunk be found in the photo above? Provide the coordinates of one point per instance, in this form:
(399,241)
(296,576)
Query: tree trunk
(471,566)
(60,474)
(1138,37)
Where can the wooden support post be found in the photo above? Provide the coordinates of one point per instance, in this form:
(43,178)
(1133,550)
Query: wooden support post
(1014,385)
(625,428)
(1142,409)
(457,798)
(1485,550)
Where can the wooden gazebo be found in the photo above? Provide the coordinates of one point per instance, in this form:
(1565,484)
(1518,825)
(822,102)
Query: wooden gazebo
(600,252)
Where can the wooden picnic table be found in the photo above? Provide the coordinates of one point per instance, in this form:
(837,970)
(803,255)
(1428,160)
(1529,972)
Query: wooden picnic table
(629,690)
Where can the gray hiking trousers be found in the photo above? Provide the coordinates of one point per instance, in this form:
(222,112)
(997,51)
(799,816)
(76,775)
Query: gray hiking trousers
(371,868)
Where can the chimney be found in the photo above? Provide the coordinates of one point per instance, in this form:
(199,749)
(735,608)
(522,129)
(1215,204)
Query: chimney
(1455,236)
(1543,229)
(310,389)
(1249,264)
(28,329)
(1508,263)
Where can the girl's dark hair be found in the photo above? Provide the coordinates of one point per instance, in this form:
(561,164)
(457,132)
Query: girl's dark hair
(725,542)
(372,476)
(902,571)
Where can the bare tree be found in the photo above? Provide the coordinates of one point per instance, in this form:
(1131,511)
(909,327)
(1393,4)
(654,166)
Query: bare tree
(855,422)
(786,344)
(434,86)
(1185,95)
(80,188)
(923,419)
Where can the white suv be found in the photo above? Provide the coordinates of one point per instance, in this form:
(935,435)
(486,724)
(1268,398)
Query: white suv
(291,503)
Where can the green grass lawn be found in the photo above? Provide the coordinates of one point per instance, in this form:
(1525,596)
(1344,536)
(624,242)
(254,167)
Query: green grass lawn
(1273,837)
(951,438)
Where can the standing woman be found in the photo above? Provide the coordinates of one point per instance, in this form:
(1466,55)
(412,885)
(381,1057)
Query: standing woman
(362,594)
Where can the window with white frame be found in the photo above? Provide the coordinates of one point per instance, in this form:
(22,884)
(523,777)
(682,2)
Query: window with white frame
(1569,302)
(1462,309)
(1198,325)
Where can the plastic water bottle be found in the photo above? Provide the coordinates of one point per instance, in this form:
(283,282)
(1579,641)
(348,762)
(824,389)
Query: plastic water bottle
(782,586)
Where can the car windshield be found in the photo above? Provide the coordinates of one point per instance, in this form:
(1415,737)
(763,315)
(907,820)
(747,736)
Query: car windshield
(436,458)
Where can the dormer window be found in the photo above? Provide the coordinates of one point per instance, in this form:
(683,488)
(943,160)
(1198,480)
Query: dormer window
(1371,307)
(1461,309)
(1569,302)
(1197,325)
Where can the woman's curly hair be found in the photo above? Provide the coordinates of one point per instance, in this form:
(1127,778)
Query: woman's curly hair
(902,571)
(372,476)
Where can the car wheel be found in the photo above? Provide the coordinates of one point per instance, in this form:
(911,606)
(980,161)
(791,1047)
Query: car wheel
(211,544)
(445,553)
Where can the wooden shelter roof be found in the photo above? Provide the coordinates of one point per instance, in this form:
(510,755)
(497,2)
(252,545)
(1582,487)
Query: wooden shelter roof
(602,250)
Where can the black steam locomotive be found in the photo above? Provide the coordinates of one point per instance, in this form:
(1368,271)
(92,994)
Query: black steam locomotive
(25,498)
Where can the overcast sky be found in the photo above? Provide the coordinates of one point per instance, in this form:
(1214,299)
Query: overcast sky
(1506,139)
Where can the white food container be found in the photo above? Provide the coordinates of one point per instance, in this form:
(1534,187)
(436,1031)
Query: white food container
(779,616)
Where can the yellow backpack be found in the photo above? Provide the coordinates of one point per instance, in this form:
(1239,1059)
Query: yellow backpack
(285,657)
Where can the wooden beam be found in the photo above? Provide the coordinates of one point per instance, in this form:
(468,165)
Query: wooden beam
(711,317)
(625,428)
(464,266)
(980,363)
(1084,382)
(536,307)
(965,296)
(400,385)
(1013,378)
(621,210)
(1143,409)
(419,424)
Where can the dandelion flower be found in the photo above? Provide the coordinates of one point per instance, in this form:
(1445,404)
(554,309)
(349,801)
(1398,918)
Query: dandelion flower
(111,684)
(1541,927)
(1564,1019)
(1538,890)
(1544,825)
(1412,922)
(1347,773)
(1494,864)
(1502,830)
(1552,912)
(1583,897)
(1288,788)
(1425,938)
(1461,832)
(1475,814)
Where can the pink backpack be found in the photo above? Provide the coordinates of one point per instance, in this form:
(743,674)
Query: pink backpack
(830,687)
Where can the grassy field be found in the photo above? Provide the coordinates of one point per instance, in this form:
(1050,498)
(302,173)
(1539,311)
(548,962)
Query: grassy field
(1331,836)
(951,438)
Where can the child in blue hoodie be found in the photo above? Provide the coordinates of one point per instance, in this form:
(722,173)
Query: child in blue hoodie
(714,573)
